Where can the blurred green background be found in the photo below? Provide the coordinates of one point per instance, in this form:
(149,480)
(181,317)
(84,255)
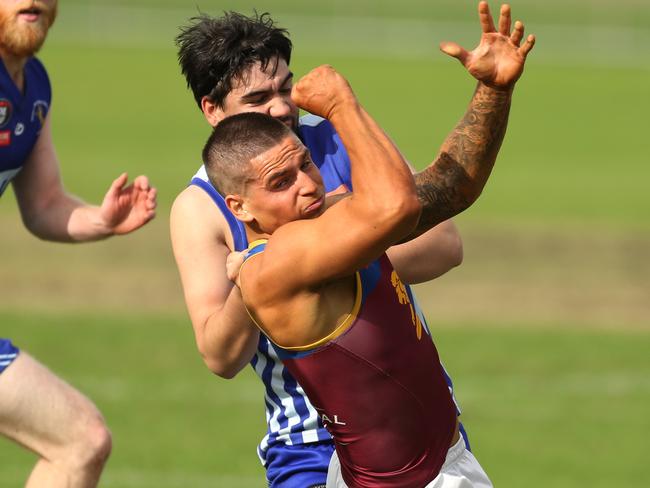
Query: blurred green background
(545,327)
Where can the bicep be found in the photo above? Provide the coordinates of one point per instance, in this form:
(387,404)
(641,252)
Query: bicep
(306,253)
(200,251)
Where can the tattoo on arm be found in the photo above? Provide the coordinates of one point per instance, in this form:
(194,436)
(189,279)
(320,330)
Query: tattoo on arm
(457,176)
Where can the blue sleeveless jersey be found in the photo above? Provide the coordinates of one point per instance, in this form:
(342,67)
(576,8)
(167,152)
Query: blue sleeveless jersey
(22,116)
(291,419)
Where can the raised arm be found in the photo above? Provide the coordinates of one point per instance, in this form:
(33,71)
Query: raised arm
(457,176)
(50,213)
(361,227)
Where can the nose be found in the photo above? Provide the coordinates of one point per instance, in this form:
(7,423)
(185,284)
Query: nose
(280,107)
(307,184)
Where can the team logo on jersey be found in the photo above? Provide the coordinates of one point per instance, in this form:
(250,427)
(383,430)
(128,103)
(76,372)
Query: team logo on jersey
(5,112)
(39,111)
(5,137)
(20,128)
(403,298)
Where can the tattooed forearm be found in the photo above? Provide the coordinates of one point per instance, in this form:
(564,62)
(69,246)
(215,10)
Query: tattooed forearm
(440,189)
(456,178)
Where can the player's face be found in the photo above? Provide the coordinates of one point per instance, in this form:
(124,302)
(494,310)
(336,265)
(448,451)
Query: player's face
(24,25)
(285,185)
(267,91)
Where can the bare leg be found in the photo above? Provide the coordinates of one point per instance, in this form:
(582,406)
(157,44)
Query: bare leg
(46,415)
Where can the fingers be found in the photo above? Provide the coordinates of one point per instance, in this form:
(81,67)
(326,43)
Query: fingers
(146,191)
(141,182)
(119,182)
(487,24)
(455,51)
(323,91)
(234,263)
(518,33)
(116,186)
(151,199)
(527,46)
(504,20)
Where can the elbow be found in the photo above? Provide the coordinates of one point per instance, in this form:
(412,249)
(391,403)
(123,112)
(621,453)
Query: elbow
(31,223)
(221,368)
(403,215)
(455,250)
(222,365)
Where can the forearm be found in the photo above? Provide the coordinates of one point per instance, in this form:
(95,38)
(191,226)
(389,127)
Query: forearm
(66,219)
(459,173)
(378,168)
(227,339)
(428,256)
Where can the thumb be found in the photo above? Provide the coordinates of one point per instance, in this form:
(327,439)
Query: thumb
(455,51)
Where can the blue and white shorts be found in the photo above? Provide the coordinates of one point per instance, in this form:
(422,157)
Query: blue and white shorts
(299,466)
(8,352)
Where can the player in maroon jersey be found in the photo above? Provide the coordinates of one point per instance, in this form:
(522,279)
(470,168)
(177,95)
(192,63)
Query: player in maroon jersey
(352,338)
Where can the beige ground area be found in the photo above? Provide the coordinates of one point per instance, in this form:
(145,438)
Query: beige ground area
(546,276)
(511,275)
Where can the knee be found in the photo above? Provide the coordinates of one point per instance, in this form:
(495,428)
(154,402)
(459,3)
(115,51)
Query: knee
(99,441)
(94,445)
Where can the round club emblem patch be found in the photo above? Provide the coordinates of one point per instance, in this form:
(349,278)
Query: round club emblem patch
(5,112)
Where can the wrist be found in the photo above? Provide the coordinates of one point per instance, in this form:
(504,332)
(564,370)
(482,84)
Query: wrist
(343,110)
(507,89)
(101,225)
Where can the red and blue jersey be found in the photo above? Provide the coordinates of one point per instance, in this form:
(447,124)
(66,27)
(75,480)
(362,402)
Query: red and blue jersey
(378,386)
(22,116)
(291,418)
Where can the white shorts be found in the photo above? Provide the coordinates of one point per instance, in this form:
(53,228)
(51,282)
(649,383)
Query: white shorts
(460,470)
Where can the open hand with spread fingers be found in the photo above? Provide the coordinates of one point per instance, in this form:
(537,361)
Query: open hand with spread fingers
(498,60)
(127,208)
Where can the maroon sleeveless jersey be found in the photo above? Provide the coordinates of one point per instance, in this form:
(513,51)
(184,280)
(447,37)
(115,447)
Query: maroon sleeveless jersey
(379,388)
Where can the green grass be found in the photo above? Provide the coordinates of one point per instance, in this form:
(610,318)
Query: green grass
(575,149)
(174,424)
(544,407)
(545,327)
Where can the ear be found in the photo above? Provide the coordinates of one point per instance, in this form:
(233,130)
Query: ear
(238,207)
(212,112)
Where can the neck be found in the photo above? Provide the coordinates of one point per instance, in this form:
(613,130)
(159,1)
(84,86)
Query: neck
(15,66)
(253,235)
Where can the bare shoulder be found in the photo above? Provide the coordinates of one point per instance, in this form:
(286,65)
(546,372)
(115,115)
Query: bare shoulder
(272,275)
(194,214)
(200,241)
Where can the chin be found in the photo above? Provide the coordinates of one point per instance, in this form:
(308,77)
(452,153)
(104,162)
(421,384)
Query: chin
(25,39)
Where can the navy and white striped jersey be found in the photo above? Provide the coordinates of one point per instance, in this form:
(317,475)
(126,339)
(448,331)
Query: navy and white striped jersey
(290,417)
(22,116)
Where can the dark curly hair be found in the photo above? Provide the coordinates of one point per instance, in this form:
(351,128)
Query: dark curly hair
(214,52)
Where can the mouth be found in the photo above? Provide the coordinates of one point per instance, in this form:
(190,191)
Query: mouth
(31,14)
(315,207)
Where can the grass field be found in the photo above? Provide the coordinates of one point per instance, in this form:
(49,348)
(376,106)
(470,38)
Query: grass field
(545,407)
(545,327)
